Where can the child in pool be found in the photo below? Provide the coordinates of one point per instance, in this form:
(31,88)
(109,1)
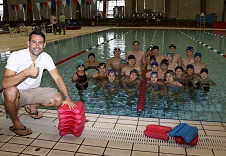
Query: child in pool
(204,82)
(172,65)
(163,68)
(191,76)
(149,62)
(114,62)
(173,87)
(111,85)
(131,84)
(155,86)
(101,74)
(198,65)
(179,72)
(81,77)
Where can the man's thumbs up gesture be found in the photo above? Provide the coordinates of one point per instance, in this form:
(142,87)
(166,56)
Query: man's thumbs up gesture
(32,71)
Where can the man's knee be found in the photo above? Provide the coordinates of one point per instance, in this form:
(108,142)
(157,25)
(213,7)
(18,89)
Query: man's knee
(11,93)
(56,101)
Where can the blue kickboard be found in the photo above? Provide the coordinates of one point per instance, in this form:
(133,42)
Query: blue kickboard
(185,131)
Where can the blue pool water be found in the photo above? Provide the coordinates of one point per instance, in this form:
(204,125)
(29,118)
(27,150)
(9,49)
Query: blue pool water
(192,106)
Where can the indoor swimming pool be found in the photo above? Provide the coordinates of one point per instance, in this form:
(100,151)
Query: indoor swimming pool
(197,105)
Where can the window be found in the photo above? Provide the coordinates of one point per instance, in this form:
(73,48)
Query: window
(110,7)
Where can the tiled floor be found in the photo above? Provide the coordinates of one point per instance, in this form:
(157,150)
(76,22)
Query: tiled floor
(44,143)
(48,143)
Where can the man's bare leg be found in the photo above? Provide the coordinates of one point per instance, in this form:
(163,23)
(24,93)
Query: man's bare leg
(11,102)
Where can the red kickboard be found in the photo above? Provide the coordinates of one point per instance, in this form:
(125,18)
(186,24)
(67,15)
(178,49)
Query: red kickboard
(180,140)
(76,110)
(71,118)
(71,131)
(156,135)
(72,114)
(158,128)
(71,125)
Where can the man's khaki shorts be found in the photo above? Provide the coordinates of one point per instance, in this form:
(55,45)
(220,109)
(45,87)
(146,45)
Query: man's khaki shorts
(36,95)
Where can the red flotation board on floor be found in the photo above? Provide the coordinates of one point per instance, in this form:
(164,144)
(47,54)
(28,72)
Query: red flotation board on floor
(157,132)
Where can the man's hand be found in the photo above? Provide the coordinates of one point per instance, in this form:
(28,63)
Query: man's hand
(32,71)
(70,104)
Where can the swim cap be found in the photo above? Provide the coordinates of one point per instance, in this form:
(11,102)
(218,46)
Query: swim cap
(190,48)
(123,61)
(111,71)
(172,46)
(154,74)
(204,70)
(131,57)
(198,54)
(134,71)
(91,54)
(79,63)
(165,61)
(169,53)
(189,66)
(154,64)
(152,58)
(155,47)
(179,67)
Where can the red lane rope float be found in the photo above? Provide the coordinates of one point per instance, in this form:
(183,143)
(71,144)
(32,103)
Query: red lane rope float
(142,94)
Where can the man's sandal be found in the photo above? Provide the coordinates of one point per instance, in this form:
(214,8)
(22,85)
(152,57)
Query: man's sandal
(35,115)
(21,131)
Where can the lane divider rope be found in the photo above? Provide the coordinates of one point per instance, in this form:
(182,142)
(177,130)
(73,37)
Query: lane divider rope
(215,34)
(205,45)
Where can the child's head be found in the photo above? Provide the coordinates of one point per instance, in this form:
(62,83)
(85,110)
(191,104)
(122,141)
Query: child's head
(154,77)
(131,60)
(91,57)
(136,45)
(149,51)
(102,67)
(123,63)
(164,65)
(169,56)
(155,67)
(190,69)
(197,57)
(155,50)
(133,74)
(80,65)
(117,52)
(189,51)
(204,73)
(179,71)
(152,59)
(111,75)
(169,76)
(172,48)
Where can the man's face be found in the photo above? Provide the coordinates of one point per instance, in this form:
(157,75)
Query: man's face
(136,46)
(91,58)
(36,45)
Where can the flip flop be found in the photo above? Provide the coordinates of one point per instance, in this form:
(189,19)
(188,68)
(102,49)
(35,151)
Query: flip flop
(35,115)
(21,131)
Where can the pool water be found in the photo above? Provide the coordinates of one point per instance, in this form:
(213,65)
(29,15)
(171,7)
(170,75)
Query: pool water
(196,105)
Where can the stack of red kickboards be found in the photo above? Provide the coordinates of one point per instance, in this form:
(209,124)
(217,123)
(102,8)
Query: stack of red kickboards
(71,121)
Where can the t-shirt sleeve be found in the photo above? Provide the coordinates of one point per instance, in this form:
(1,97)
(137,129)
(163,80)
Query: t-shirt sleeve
(13,62)
(49,65)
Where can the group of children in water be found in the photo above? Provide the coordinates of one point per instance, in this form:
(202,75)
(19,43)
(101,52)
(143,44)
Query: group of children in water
(167,74)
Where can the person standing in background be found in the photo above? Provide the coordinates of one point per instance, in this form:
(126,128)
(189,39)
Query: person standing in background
(53,21)
(62,23)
